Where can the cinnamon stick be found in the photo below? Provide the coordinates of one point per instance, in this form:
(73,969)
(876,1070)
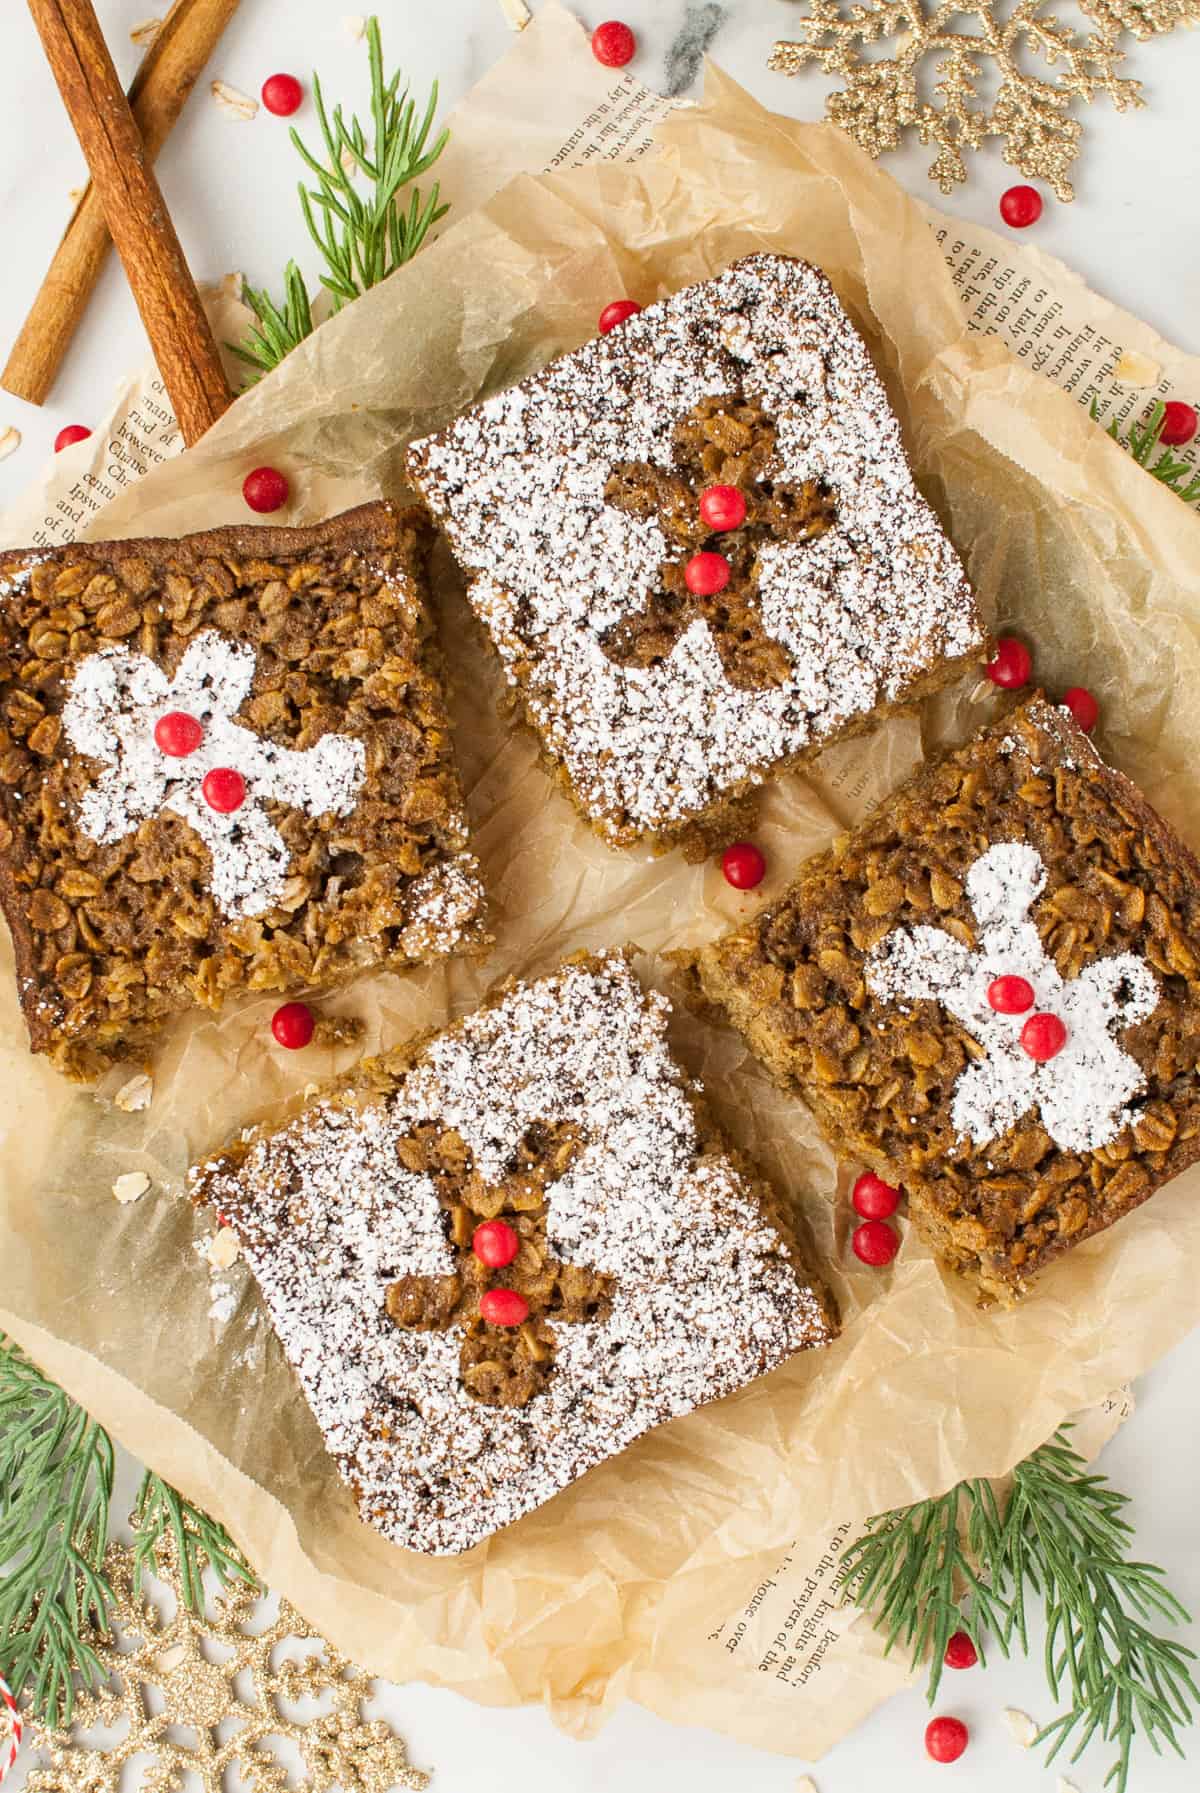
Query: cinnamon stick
(136,213)
(160,89)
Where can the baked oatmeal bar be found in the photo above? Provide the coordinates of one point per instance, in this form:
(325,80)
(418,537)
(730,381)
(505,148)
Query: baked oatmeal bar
(225,766)
(497,1257)
(697,546)
(990,993)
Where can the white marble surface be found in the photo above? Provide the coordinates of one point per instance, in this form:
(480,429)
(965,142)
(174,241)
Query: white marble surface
(1131,233)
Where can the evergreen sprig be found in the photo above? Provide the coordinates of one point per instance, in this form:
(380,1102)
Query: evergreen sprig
(1178,475)
(956,1563)
(56,1479)
(164,1520)
(362,236)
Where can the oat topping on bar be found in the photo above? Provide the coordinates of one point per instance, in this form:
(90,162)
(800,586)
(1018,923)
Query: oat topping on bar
(989,993)
(225,766)
(657,1270)
(572,501)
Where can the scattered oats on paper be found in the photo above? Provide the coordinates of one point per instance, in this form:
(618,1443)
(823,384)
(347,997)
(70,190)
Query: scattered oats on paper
(135,1095)
(1135,369)
(229,99)
(224,1250)
(143,35)
(516,13)
(1021,1725)
(10,441)
(131,1186)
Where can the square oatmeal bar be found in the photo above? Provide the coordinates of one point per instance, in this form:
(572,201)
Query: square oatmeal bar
(989,992)
(697,546)
(225,766)
(497,1257)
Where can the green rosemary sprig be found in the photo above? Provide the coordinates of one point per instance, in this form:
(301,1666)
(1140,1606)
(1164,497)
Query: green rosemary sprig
(362,236)
(1179,476)
(954,1563)
(915,1570)
(1066,1539)
(164,1519)
(56,1478)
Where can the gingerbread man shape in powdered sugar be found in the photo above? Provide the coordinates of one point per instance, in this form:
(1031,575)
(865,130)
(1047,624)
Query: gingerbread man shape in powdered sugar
(1082,1092)
(117,703)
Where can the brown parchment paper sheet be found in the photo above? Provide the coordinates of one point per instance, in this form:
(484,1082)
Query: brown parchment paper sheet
(615,1587)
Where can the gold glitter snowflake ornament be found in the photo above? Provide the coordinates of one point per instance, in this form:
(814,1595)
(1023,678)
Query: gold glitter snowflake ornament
(197,1696)
(1043,68)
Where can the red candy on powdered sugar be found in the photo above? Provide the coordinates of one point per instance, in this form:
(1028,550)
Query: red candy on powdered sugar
(495,1244)
(1043,1037)
(224,790)
(873,1198)
(503,1307)
(723,507)
(177,734)
(1010,995)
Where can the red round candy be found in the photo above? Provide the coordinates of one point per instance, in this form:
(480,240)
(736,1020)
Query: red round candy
(1010,995)
(1021,206)
(1179,423)
(616,313)
(743,865)
(960,1652)
(706,574)
(874,1243)
(946,1739)
(495,1244)
(723,507)
(74,432)
(282,95)
(1082,706)
(873,1198)
(177,734)
(1043,1036)
(1012,665)
(265,489)
(293,1025)
(503,1307)
(613,44)
(224,790)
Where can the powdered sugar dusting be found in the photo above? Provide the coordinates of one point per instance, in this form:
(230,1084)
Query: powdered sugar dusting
(116,698)
(443,906)
(1084,1091)
(864,611)
(707,1295)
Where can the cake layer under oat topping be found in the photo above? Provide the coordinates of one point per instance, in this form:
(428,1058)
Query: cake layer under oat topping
(671,652)
(225,766)
(497,1258)
(989,993)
